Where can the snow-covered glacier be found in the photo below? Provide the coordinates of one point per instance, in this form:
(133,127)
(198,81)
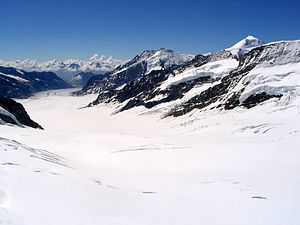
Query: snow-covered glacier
(210,139)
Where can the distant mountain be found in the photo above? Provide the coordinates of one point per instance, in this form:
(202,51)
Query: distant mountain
(81,79)
(12,112)
(15,83)
(144,64)
(218,81)
(90,84)
(67,68)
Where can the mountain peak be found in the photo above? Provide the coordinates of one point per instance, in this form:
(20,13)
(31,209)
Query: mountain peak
(149,53)
(251,37)
(97,57)
(245,45)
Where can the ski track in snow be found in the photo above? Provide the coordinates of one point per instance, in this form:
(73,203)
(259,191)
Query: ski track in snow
(89,167)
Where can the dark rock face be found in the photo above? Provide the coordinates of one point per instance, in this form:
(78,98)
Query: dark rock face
(170,94)
(112,81)
(90,85)
(16,83)
(233,101)
(134,88)
(144,89)
(18,111)
(254,100)
(207,97)
(250,102)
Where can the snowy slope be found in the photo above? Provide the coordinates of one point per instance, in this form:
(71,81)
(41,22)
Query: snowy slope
(216,69)
(67,68)
(236,167)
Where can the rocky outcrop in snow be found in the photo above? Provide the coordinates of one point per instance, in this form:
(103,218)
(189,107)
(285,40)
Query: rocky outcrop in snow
(12,112)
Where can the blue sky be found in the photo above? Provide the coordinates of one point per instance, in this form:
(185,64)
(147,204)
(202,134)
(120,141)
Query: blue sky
(46,29)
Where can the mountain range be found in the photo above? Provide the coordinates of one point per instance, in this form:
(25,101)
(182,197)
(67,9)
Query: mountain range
(16,83)
(244,75)
(67,68)
(172,84)
(163,139)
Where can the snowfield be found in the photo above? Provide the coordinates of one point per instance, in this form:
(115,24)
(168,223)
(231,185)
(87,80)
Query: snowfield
(213,69)
(89,167)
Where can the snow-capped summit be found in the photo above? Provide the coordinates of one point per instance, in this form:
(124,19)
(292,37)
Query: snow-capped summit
(248,42)
(244,46)
(97,57)
(162,59)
